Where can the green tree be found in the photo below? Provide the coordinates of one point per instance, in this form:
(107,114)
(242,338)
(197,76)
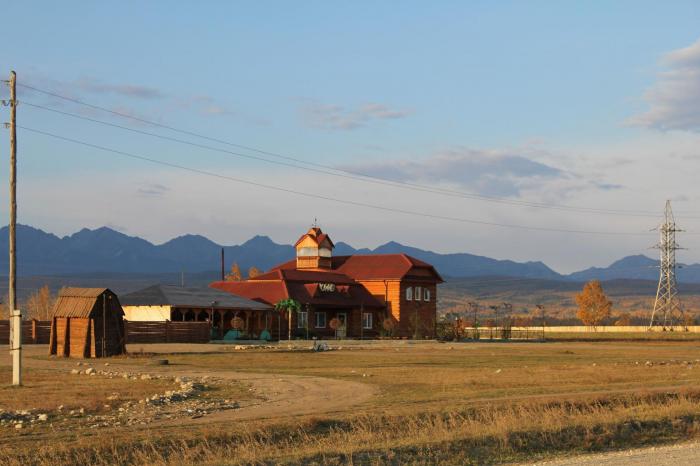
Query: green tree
(288,305)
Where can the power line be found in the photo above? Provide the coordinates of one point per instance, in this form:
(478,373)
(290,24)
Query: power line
(353,174)
(322,197)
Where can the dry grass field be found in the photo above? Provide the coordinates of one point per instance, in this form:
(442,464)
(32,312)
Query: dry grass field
(454,403)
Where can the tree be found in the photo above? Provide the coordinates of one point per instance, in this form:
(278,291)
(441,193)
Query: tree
(40,304)
(235,274)
(253,272)
(288,305)
(624,320)
(593,305)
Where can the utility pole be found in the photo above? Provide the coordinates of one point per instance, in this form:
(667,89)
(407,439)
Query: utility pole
(16,319)
(541,309)
(474,307)
(667,306)
(495,312)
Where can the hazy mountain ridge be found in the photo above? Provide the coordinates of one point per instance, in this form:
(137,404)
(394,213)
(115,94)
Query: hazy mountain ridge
(104,250)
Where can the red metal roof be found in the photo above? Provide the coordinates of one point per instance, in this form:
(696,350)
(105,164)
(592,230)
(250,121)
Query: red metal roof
(302,285)
(268,292)
(371,267)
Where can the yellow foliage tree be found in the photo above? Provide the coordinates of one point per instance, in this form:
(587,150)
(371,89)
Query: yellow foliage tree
(235,274)
(593,305)
(253,272)
(40,304)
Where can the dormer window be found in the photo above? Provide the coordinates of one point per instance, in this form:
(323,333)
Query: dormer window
(324,252)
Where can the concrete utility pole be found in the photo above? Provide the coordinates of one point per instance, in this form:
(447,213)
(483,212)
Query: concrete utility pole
(16,314)
(667,306)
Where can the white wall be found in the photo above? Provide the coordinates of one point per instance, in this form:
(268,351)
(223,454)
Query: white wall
(146,313)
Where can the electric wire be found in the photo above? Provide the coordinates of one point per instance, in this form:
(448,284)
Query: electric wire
(320,196)
(354,174)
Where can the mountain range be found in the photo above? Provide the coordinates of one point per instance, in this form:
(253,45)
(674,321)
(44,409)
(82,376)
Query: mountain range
(105,250)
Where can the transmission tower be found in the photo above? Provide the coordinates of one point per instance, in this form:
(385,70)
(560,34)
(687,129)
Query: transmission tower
(667,306)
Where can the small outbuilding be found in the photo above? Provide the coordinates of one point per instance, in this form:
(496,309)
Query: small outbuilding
(87,323)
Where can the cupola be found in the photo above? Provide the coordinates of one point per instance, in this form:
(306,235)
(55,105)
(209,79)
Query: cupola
(314,250)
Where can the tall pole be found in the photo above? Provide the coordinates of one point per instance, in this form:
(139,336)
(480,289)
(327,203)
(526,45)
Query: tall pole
(104,323)
(223,272)
(667,306)
(16,313)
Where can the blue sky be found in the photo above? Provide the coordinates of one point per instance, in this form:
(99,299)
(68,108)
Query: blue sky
(588,104)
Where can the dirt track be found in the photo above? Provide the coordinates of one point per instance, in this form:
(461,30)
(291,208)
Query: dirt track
(684,454)
(278,395)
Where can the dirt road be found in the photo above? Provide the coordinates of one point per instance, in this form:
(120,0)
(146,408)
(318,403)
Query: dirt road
(684,454)
(277,396)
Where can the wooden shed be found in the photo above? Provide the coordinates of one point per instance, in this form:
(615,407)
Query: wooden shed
(87,323)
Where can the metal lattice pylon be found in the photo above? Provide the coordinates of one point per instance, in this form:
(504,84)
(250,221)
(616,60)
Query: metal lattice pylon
(667,306)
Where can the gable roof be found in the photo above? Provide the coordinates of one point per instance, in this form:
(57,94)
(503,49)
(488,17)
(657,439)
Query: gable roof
(302,285)
(171,295)
(80,302)
(369,267)
(317,235)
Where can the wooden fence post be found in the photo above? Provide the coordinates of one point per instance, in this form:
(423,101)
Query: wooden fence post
(126,331)
(35,336)
(167,331)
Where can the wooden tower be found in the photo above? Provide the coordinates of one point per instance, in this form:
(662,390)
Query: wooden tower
(314,250)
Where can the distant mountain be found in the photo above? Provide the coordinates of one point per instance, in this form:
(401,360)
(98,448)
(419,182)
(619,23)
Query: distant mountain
(106,251)
(637,267)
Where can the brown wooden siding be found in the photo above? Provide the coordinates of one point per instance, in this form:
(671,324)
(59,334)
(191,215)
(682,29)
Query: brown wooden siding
(167,332)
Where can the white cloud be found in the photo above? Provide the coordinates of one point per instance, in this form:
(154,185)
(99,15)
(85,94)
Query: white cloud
(674,100)
(497,173)
(335,117)
(96,86)
(152,190)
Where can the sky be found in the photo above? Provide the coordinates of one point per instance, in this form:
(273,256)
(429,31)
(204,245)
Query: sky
(525,130)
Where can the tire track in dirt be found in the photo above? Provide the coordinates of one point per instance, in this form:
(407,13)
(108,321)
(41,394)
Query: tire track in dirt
(280,395)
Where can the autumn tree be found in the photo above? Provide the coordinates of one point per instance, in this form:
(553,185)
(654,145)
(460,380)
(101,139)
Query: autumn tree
(624,319)
(40,304)
(593,305)
(253,272)
(235,274)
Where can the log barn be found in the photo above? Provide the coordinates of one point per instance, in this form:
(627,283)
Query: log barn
(87,323)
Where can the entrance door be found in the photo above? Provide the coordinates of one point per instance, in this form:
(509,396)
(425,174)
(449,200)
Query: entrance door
(341,331)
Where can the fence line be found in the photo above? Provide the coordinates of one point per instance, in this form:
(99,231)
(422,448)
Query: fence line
(35,332)
(166,332)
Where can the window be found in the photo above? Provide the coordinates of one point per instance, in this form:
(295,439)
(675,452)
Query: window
(320,320)
(367,320)
(417,293)
(409,294)
(426,295)
(302,319)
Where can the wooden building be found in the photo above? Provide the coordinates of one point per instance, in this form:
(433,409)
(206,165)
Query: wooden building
(87,323)
(357,294)
(223,311)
